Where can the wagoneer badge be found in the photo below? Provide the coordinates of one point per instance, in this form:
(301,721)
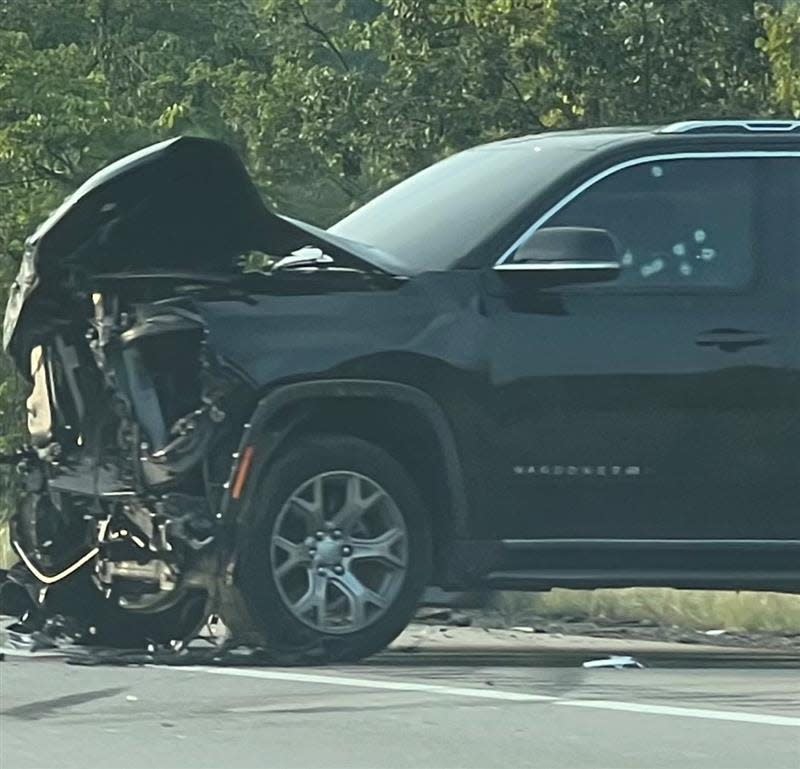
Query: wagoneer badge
(579,470)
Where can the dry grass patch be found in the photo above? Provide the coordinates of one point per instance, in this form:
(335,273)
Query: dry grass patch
(697,609)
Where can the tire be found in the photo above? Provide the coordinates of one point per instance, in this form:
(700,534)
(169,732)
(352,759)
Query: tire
(121,628)
(125,629)
(271,611)
(102,620)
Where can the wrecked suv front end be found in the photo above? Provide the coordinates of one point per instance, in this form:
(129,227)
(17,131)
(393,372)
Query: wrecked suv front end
(134,416)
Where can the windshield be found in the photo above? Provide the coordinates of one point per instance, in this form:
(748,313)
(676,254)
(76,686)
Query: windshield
(435,218)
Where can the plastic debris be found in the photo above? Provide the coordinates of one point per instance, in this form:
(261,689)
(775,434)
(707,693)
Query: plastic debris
(524,629)
(27,637)
(616,662)
(443,616)
(714,632)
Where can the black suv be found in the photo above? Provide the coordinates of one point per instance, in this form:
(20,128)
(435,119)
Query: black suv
(568,359)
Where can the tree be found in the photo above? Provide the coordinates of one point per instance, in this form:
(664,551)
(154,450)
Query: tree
(780,43)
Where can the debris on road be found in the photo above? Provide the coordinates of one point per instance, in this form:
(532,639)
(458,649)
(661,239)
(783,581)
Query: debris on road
(215,647)
(53,632)
(63,637)
(618,663)
(443,616)
(787,641)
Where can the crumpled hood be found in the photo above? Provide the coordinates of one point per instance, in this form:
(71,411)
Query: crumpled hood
(185,204)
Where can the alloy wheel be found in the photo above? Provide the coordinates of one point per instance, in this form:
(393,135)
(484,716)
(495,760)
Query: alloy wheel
(339,552)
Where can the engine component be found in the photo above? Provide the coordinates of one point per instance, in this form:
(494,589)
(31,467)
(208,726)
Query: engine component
(158,578)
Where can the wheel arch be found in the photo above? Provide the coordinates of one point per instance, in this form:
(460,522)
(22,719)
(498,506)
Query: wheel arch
(305,407)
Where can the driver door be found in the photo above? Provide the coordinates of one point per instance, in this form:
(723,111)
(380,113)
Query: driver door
(660,406)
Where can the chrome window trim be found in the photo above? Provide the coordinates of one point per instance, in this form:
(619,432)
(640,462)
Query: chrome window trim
(553,210)
(565,265)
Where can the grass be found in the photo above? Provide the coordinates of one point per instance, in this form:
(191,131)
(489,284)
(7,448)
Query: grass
(697,609)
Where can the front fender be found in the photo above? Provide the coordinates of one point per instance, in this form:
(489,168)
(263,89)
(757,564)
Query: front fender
(279,412)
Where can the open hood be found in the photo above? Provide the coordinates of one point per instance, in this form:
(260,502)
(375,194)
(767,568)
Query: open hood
(186,204)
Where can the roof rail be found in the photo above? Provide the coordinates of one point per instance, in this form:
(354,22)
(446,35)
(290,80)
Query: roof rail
(732,126)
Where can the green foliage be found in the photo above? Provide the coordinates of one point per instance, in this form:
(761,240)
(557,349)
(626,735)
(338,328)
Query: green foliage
(330,101)
(780,44)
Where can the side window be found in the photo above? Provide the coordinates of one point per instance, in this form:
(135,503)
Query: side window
(679,223)
(782,200)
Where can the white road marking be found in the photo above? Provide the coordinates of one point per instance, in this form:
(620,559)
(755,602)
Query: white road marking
(493,694)
(366,683)
(669,710)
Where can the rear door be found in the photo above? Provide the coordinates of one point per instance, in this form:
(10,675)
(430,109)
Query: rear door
(662,406)
(787,247)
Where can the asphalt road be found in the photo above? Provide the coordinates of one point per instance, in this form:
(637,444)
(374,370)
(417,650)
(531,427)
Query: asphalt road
(394,712)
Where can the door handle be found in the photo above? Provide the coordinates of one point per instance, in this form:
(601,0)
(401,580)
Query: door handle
(730,339)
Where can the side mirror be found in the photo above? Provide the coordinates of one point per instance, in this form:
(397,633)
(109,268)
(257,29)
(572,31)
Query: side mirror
(562,255)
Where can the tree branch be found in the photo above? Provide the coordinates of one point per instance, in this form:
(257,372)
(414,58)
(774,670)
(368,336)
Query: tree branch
(49,173)
(20,182)
(60,157)
(323,34)
(527,107)
(647,73)
(506,78)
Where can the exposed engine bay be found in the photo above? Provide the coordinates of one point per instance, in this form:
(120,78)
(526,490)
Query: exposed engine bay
(123,416)
(133,418)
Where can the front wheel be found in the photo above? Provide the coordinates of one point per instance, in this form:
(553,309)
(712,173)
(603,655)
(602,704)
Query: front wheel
(335,550)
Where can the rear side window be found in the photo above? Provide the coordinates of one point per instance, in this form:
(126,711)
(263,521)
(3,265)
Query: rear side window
(784,221)
(679,223)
